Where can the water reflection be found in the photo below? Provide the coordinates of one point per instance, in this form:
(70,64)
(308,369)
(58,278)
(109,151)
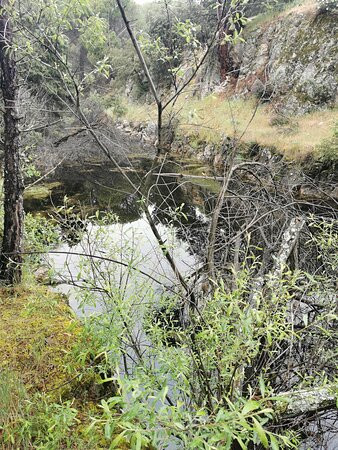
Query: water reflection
(132,244)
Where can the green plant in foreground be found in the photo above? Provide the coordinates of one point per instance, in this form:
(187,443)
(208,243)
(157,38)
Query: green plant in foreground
(148,421)
(211,383)
(28,419)
(183,385)
(40,233)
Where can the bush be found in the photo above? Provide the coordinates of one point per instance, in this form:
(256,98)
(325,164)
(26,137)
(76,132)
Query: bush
(115,104)
(41,234)
(328,150)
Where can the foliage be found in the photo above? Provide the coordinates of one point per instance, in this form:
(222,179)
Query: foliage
(326,240)
(189,384)
(328,149)
(165,45)
(148,421)
(41,234)
(34,420)
(207,380)
(94,35)
(114,104)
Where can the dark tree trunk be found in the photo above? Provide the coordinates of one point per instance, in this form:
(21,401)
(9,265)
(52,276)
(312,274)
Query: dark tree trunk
(227,65)
(10,259)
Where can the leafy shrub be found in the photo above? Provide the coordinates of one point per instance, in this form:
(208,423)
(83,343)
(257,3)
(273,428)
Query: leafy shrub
(181,384)
(328,150)
(115,104)
(41,234)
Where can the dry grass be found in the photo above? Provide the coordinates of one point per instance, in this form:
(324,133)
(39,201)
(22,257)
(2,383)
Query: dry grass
(214,116)
(306,7)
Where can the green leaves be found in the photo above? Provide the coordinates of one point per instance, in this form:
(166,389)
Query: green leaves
(187,31)
(250,405)
(260,432)
(274,443)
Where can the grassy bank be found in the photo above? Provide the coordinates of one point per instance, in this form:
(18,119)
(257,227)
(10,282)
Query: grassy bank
(48,391)
(280,11)
(212,117)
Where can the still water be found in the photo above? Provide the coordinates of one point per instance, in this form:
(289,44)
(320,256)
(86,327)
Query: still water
(178,209)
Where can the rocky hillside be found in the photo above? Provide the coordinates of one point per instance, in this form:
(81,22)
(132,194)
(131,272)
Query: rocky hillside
(289,58)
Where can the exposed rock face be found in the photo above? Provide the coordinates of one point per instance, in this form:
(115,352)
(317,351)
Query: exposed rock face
(291,60)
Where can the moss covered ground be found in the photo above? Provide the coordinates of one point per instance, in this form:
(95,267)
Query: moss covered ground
(41,191)
(37,330)
(48,388)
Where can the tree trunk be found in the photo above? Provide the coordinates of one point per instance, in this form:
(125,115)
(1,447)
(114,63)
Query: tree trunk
(10,259)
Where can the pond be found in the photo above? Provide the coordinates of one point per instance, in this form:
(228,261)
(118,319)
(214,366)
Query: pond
(91,190)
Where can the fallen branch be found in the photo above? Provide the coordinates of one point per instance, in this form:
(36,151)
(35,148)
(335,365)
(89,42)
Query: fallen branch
(240,166)
(65,138)
(310,400)
(40,127)
(289,240)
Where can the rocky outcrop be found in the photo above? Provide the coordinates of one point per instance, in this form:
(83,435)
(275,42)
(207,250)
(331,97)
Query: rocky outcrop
(290,60)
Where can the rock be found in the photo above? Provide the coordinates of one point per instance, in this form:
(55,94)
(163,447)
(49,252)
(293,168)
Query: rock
(137,126)
(291,59)
(258,88)
(265,154)
(42,275)
(150,130)
(218,161)
(208,152)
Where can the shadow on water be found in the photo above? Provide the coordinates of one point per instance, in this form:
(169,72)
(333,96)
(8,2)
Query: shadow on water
(98,187)
(90,188)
